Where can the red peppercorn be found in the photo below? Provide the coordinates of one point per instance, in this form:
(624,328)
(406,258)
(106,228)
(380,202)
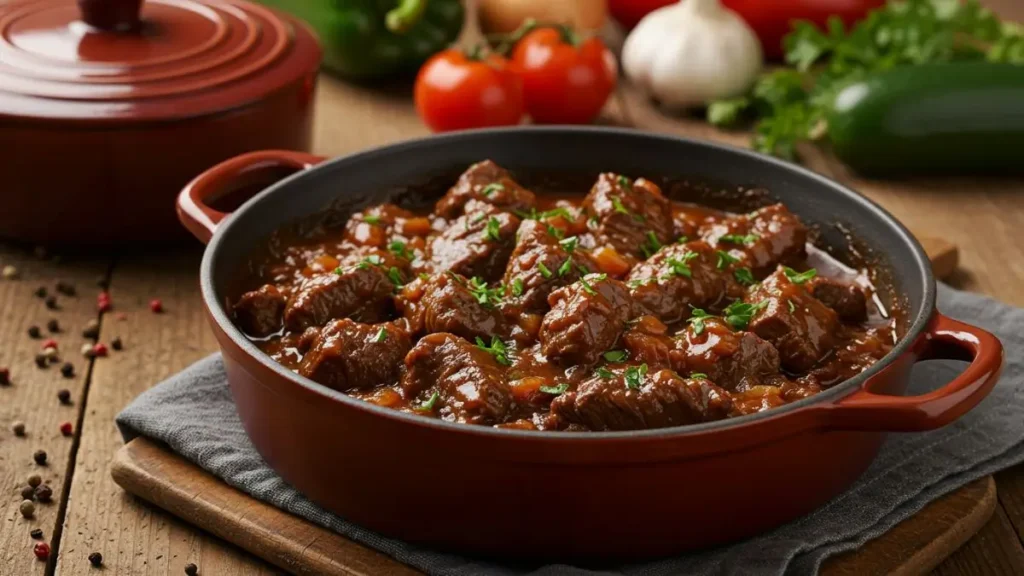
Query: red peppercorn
(99,349)
(42,551)
(49,343)
(156,305)
(103,302)
(65,428)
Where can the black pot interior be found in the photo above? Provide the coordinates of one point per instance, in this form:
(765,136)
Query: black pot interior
(852,228)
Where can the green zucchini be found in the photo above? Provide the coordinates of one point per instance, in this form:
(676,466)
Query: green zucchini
(932,119)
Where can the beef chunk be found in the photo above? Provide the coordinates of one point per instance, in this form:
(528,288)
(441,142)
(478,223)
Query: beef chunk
(361,292)
(585,320)
(680,277)
(469,383)
(762,239)
(647,342)
(540,263)
(626,214)
(476,244)
(800,327)
(736,361)
(347,355)
(259,313)
(632,399)
(451,303)
(847,300)
(486,182)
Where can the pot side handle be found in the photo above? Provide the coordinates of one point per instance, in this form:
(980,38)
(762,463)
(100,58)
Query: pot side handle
(194,210)
(945,339)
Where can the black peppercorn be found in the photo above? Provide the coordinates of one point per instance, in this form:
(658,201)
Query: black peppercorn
(66,289)
(116,344)
(40,457)
(36,534)
(42,360)
(51,302)
(28,493)
(34,332)
(191,569)
(19,429)
(53,326)
(67,370)
(64,396)
(44,493)
(41,292)
(96,559)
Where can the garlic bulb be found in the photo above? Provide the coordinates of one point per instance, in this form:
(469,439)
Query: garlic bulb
(688,54)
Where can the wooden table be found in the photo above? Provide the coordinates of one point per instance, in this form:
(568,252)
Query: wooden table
(90,513)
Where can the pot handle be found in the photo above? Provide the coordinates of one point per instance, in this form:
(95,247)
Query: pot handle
(196,214)
(946,339)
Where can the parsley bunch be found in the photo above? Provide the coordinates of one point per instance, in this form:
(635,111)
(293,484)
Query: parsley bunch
(790,103)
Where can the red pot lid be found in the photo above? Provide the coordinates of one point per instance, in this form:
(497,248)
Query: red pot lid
(120,60)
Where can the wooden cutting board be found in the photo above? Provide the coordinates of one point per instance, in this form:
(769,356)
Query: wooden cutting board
(167,480)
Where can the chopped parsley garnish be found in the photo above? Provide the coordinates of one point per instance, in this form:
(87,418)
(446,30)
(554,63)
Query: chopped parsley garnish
(617,204)
(624,181)
(556,232)
(491,188)
(614,356)
(371,260)
(744,276)
(570,244)
(563,212)
(652,244)
(738,314)
(635,376)
(799,277)
(698,376)
(683,240)
(496,349)
(395,276)
(741,239)
(639,282)
(398,248)
(485,296)
(544,270)
(428,406)
(494,230)
(604,373)
(792,308)
(724,259)
(424,276)
(681,266)
(587,286)
(697,320)
(381,336)
(477,218)
(371,219)
(517,287)
(556,390)
(593,222)
(565,267)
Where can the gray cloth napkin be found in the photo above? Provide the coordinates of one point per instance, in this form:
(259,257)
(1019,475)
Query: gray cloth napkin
(194,414)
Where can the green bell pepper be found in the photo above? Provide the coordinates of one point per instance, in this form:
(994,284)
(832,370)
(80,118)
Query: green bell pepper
(367,39)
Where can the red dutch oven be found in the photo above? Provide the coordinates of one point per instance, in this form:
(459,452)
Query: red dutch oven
(560,495)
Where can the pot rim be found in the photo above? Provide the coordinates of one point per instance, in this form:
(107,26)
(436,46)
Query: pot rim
(216,310)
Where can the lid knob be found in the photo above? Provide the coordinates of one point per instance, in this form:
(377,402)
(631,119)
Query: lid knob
(117,15)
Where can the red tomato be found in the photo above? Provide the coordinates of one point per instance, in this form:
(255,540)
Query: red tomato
(564,81)
(454,92)
(772,20)
(630,12)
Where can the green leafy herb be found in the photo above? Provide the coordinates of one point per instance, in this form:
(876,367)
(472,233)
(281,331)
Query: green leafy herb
(617,205)
(491,188)
(635,376)
(593,222)
(371,219)
(565,267)
(683,240)
(604,373)
(614,356)
(742,239)
(698,376)
(744,276)
(428,406)
(399,248)
(556,232)
(636,283)
(517,287)
(623,181)
(544,270)
(739,313)
(799,277)
(790,103)
(792,308)
(570,244)
(485,296)
(371,260)
(587,287)
(424,276)
(381,336)
(696,320)
(496,349)
(652,244)
(681,266)
(724,259)
(563,212)
(494,230)
(556,390)
(395,275)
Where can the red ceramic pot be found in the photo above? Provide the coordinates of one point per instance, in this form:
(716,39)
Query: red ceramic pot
(559,495)
(106,112)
